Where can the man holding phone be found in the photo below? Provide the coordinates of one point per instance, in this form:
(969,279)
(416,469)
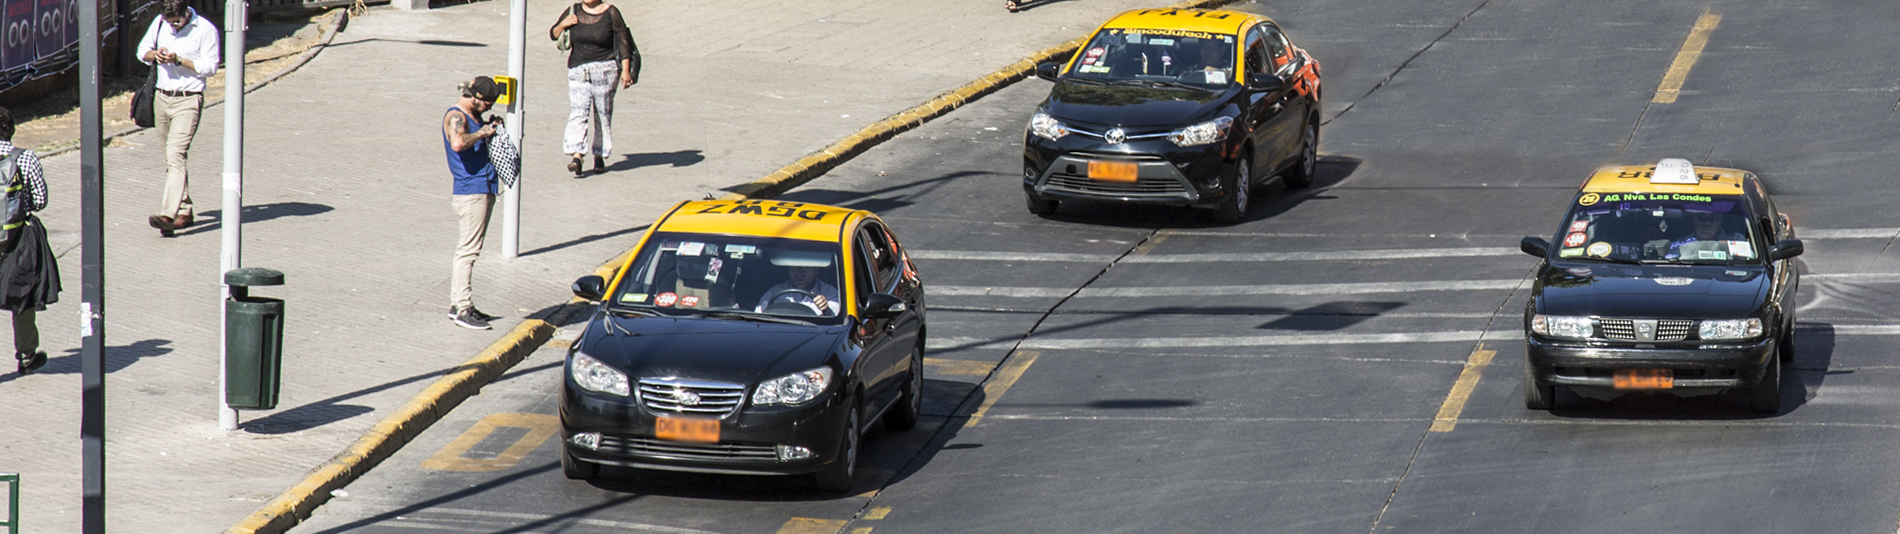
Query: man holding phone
(184,48)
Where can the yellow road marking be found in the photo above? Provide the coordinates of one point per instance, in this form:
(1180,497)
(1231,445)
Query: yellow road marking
(861,530)
(540,428)
(806,525)
(877,512)
(1149,246)
(959,367)
(1461,390)
(1686,58)
(1004,378)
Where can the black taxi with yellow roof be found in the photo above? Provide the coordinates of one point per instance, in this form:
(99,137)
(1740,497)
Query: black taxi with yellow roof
(746,337)
(1190,107)
(1664,278)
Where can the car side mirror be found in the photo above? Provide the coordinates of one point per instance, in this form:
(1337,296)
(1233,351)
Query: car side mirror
(1785,249)
(1535,246)
(591,287)
(1047,71)
(884,306)
(1265,82)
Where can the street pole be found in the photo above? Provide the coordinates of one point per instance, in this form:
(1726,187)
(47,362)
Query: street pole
(517,61)
(232,215)
(92,304)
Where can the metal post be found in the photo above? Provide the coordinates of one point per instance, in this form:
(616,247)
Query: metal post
(517,61)
(13,502)
(232,216)
(92,304)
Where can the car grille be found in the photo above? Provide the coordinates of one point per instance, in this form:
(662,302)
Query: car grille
(1666,329)
(1143,186)
(635,446)
(673,395)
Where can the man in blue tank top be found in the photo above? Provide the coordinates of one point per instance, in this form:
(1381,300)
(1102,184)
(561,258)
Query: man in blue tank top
(465,138)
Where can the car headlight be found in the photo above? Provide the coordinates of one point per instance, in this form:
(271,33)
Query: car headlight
(795,388)
(591,375)
(1200,134)
(1562,326)
(1731,329)
(1047,127)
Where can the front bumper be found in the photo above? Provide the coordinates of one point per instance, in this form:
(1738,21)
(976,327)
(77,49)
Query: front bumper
(1165,174)
(1705,366)
(748,439)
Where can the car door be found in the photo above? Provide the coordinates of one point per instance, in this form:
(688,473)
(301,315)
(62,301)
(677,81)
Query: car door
(1774,228)
(1280,131)
(883,352)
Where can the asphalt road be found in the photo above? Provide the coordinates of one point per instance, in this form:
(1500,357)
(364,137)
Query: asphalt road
(1113,369)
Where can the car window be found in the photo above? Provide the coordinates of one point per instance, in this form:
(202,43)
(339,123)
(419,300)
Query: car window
(1276,47)
(691,274)
(1135,56)
(880,256)
(1257,52)
(1660,227)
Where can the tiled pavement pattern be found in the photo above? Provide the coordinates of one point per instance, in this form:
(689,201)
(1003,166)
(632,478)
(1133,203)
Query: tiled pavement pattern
(346,192)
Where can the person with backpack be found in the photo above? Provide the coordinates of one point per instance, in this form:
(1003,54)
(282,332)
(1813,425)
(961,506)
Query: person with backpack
(601,55)
(29,274)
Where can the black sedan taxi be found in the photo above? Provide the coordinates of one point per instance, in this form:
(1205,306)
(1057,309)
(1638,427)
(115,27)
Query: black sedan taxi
(746,337)
(1664,278)
(1184,107)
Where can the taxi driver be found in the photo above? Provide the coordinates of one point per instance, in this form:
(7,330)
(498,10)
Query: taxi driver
(1708,227)
(802,287)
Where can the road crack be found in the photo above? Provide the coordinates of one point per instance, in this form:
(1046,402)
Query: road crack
(1408,62)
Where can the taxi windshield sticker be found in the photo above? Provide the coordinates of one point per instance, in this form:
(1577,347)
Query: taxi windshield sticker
(1599,249)
(1741,249)
(1135,36)
(1579,226)
(1592,198)
(633,298)
(1588,199)
(1570,252)
(692,248)
(1575,239)
(666,299)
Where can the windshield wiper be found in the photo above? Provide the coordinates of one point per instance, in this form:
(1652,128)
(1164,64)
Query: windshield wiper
(1608,259)
(1087,81)
(1163,83)
(755,317)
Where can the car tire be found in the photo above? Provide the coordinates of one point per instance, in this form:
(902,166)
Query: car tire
(841,475)
(1537,396)
(1039,205)
(910,406)
(1784,347)
(1234,208)
(1302,174)
(1766,396)
(576,468)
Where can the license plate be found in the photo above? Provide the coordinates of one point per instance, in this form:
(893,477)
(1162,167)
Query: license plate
(1112,171)
(695,430)
(1645,379)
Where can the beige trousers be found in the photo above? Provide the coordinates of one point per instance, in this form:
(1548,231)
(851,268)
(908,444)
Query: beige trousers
(175,119)
(472,213)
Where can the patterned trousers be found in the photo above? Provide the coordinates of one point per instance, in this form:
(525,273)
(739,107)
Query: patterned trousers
(590,102)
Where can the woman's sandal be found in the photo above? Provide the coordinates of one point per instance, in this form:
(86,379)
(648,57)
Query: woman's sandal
(574,166)
(1012,5)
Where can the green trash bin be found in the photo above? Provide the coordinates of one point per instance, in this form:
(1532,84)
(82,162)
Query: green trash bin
(254,340)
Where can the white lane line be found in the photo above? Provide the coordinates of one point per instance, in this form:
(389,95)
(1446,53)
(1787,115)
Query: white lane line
(1650,423)
(541,518)
(1847,233)
(1853,329)
(1865,278)
(1251,341)
(1336,255)
(1216,291)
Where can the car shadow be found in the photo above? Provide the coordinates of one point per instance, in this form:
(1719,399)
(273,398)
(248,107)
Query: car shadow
(1800,382)
(1268,202)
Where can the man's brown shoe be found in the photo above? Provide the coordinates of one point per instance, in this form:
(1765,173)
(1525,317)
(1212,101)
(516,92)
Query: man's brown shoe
(181,222)
(163,224)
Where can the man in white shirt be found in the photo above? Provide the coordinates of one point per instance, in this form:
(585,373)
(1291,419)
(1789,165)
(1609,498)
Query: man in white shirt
(820,296)
(184,48)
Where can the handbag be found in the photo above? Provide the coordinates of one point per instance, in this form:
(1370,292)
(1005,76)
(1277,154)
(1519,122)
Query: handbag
(634,61)
(142,100)
(505,155)
(564,43)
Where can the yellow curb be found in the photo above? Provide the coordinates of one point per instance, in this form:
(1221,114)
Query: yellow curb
(396,429)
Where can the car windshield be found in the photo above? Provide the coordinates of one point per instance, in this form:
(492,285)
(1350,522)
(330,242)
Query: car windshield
(734,277)
(1158,57)
(1659,228)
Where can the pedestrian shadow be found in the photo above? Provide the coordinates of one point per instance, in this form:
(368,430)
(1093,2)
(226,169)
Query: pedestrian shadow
(587,239)
(1026,5)
(256,214)
(677,158)
(328,410)
(117,358)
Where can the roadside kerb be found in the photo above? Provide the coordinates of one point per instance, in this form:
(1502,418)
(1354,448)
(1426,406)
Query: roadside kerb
(336,23)
(395,430)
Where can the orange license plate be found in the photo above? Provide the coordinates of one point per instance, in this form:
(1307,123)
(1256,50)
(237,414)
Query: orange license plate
(1112,171)
(1645,379)
(695,430)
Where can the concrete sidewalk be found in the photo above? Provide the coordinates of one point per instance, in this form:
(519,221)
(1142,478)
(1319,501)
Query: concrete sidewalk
(347,194)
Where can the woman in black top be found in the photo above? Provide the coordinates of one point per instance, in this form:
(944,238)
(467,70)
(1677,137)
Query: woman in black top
(602,53)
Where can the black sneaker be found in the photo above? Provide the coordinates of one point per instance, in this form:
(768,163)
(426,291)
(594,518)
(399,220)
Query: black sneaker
(30,362)
(468,319)
(478,313)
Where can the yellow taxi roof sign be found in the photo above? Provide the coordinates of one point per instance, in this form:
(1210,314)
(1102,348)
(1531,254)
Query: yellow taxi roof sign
(768,218)
(1197,20)
(1671,175)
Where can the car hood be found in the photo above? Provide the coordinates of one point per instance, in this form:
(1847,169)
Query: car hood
(740,352)
(1120,105)
(1663,292)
